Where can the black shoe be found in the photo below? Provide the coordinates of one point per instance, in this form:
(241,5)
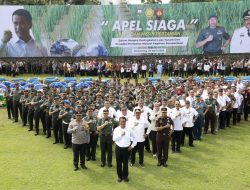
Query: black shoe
(48,137)
(84,167)
(55,142)
(159,164)
(110,165)
(36,134)
(141,165)
(88,159)
(165,165)
(93,159)
(200,139)
(119,180)
(213,133)
(178,151)
(15,121)
(102,164)
(191,145)
(29,130)
(65,147)
(76,168)
(126,179)
(61,142)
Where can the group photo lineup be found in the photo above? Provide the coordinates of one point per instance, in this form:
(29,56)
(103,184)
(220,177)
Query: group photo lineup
(125,94)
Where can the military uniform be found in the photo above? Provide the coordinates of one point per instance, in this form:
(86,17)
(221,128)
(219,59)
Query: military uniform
(106,139)
(38,114)
(210,115)
(91,148)
(48,118)
(25,109)
(16,94)
(162,139)
(215,45)
(30,111)
(65,123)
(56,123)
(9,103)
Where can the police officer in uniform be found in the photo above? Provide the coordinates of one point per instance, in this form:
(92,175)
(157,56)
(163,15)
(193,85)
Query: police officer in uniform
(9,102)
(25,108)
(37,102)
(210,115)
(30,109)
(211,38)
(92,122)
(16,93)
(240,42)
(66,114)
(80,138)
(48,118)
(164,127)
(106,126)
(57,128)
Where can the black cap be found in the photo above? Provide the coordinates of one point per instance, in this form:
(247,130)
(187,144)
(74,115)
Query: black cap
(212,16)
(246,15)
(78,113)
(137,110)
(105,111)
(164,109)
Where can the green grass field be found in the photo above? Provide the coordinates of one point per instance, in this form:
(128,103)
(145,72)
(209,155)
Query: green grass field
(217,162)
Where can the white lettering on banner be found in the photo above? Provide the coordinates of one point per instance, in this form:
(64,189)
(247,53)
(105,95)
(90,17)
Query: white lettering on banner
(140,51)
(149,42)
(132,25)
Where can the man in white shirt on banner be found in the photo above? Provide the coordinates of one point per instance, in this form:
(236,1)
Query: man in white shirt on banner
(138,124)
(189,116)
(24,45)
(122,136)
(240,42)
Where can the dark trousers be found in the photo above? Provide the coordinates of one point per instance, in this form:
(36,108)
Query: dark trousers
(57,130)
(209,118)
(106,147)
(122,155)
(48,120)
(20,107)
(146,142)
(91,148)
(150,74)
(222,119)
(30,118)
(66,136)
(235,111)
(39,114)
(15,108)
(143,73)
(246,112)
(79,150)
(152,137)
(140,148)
(228,117)
(25,115)
(189,132)
(198,124)
(162,147)
(10,109)
(176,139)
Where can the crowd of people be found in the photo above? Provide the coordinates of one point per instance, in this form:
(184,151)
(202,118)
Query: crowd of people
(132,114)
(134,68)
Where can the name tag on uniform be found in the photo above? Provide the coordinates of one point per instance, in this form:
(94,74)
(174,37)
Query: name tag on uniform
(219,32)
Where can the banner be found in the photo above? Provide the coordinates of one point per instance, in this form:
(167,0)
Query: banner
(125,30)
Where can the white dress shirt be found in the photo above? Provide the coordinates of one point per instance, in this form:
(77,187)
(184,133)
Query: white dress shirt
(19,48)
(128,116)
(188,116)
(145,111)
(222,100)
(139,126)
(191,100)
(177,119)
(124,140)
(112,113)
(240,42)
(153,117)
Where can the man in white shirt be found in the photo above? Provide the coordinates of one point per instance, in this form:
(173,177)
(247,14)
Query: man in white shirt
(223,101)
(189,116)
(122,136)
(191,97)
(25,45)
(138,124)
(112,112)
(152,129)
(124,112)
(177,117)
(240,42)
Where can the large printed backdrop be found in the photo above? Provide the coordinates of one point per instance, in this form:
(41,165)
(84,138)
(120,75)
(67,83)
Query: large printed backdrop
(123,30)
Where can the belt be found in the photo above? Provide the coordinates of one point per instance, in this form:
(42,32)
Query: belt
(106,135)
(121,147)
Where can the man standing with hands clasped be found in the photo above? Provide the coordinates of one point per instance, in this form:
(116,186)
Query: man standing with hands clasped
(80,139)
(122,137)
